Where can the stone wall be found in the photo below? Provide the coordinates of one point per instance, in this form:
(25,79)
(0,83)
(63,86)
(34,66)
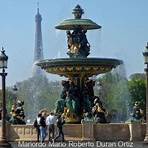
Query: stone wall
(101,132)
(111,132)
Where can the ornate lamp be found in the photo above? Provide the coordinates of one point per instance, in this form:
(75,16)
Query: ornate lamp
(3,65)
(145,54)
(3,59)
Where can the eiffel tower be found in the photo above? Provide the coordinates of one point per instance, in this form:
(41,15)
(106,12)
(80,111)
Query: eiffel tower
(38,50)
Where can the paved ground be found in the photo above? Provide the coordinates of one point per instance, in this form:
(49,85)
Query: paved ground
(81,144)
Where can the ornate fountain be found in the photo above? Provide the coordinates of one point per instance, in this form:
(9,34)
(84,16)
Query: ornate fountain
(77,96)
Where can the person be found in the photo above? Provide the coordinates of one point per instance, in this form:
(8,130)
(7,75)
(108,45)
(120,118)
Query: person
(0,114)
(36,124)
(50,121)
(42,124)
(60,123)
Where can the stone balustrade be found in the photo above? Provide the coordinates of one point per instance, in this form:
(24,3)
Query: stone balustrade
(87,131)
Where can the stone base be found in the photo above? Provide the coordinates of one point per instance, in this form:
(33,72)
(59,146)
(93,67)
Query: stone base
(87,131)
(137,131)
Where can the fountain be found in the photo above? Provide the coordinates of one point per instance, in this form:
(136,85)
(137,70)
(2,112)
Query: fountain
(78,91)
(77,97)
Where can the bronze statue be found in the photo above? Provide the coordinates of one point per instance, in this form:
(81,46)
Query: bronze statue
(77,43)
(60,104)
(17,113)
(137,111)
(99,112)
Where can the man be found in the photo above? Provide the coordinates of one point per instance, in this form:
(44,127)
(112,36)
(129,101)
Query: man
(42,124)
(36,124)
(0,114)
(50,121)
(60,123)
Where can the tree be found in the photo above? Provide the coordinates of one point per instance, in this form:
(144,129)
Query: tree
(137,88)
(9,99)
(38,93)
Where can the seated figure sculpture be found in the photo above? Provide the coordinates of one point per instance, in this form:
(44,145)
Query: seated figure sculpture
(99,112)
(137,114)
(77,43)
(17,113)
(60,104)
(88,87)
(86,101)
(71,102)
(68,104)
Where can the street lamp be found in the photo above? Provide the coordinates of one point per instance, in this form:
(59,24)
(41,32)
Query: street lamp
(145,54)
(3,65)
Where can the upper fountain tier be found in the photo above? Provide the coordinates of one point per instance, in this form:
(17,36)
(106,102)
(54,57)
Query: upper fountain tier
(78,22)
(78,45)
(78,65)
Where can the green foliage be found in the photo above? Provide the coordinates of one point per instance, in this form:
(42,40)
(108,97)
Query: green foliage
(38,93)
(137,88)
(120,94)
(136,76)
(9,99)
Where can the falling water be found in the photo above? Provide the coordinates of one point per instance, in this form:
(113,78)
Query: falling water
(121,79)
(112,88)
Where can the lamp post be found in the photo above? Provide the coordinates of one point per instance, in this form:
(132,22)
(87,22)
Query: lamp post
(145,54)
(3,65)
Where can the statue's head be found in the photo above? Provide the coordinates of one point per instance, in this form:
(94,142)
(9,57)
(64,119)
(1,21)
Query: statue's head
(20,102)
(65,84)
(137,103)
(96,99)
(39,114)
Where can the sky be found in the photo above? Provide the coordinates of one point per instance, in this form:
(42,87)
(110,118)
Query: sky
(123,35)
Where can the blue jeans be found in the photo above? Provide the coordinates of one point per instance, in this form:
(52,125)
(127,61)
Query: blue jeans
(42,133)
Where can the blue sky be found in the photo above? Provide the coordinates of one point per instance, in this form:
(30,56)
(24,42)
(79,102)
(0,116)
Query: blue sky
(124,31)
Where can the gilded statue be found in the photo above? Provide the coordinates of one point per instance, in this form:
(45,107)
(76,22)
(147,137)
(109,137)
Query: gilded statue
(78,45)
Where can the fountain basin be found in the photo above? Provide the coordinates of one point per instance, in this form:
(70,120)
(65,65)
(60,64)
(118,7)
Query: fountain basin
(89,131)
(70,24)
(76,66)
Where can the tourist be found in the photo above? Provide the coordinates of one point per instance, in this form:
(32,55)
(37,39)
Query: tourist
(42,124)
(50,121)
(60,123)
(0,114)
(36,124)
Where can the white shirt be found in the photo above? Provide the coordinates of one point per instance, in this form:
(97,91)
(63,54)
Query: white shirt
(38,120)
(51,119)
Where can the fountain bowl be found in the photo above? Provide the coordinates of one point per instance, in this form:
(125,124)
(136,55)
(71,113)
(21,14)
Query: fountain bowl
(76,66)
